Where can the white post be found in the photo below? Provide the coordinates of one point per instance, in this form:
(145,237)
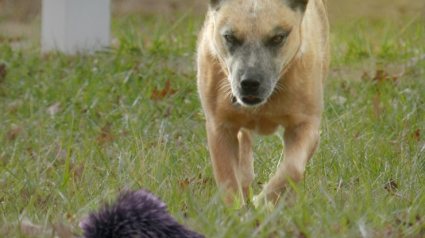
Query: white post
(75,25)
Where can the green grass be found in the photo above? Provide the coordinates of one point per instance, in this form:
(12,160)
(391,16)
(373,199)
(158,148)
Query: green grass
(75,130)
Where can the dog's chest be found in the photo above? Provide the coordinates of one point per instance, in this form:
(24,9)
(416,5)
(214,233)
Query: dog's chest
(264,121)
(262,126)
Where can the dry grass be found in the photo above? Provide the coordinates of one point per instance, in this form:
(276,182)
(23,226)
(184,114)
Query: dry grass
(22,11)
(351,9)
(25,10)
(158,7)
(21,18)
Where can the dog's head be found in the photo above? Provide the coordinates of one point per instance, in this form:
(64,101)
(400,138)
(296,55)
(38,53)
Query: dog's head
(255,40)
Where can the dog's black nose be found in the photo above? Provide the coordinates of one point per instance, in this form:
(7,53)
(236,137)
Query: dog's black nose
(250,85)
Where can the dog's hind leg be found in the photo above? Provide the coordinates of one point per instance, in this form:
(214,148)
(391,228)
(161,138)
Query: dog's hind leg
(246,160)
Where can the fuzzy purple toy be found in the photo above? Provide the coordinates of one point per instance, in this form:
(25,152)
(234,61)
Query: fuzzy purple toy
(135,214)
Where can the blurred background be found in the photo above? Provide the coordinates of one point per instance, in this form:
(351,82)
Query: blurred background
(19,18)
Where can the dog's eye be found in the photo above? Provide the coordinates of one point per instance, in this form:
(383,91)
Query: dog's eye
(277,40)
(230,38)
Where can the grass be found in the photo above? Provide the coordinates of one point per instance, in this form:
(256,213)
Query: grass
(75,130)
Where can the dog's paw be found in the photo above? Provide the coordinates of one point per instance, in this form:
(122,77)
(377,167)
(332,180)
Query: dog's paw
(260,201)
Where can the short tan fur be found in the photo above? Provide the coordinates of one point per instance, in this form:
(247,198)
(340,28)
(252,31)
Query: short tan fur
(262,64)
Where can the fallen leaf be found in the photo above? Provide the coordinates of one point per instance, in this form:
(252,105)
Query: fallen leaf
(184,210)
(403,220)
(391,186)
(377,109)
(302,235)
(160,94)
(9,39)
(31,152)
(106,134)
(416,135)
(77,171)
(365,76)
(13,133)
(44,200)
(169,111)
(200,181)
(382,76)
(183,184)
(119,99)
(257,223)
(203,181)
(3,71)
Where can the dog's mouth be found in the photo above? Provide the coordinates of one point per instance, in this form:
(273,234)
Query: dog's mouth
(249,101)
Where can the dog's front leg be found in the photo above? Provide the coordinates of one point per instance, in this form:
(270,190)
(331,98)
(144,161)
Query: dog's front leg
(224,149)
(301,141)
(246,161)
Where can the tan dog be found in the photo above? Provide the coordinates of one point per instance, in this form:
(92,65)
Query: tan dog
(262,64)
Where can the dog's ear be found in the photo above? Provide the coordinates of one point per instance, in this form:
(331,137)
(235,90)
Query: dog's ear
(298,5)
(215,4)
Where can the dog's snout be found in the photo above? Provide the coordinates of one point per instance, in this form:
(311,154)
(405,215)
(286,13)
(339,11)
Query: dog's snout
(250,85)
